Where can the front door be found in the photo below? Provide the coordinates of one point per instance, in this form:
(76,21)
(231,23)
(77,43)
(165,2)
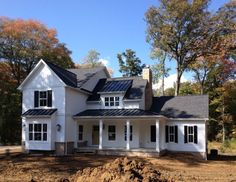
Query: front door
(95,135)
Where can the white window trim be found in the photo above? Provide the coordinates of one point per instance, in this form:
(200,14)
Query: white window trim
(188,134)
(33,132)
(46,106)
(173,134)
(114,100)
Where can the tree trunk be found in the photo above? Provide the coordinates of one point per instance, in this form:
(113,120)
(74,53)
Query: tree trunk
(163,85)
(223,132)
(202,89)
(177,86)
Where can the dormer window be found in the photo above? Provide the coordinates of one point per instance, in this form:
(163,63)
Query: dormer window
(112,101)
(43,98)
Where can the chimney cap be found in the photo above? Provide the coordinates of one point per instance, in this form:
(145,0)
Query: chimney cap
(147,66)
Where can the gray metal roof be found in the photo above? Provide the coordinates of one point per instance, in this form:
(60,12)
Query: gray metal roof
(115,112)
(39,112)
(195,106)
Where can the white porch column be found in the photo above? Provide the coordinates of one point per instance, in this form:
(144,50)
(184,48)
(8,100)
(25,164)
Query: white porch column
(127,134)
(157,136)
(100,133)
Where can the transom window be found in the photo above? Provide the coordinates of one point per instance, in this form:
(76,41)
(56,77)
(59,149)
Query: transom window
(38,132)
(130,131)
(112,101)
(111,132)
(80,132)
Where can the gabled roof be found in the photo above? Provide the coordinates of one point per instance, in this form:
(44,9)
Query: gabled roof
(195,106)
(114,112)
(66,76)
(133,87)
(39,112)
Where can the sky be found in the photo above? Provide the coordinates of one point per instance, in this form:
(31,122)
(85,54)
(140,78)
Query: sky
(108,26)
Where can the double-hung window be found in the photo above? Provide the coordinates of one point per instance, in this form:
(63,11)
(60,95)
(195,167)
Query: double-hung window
(190,134)
(171,134)
(130,132)
(111,132)
(37,132)
(112,101)
(43,98)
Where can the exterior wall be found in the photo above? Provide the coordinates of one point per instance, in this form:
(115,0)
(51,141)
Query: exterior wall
(188,147)
(39,145)
(145,134)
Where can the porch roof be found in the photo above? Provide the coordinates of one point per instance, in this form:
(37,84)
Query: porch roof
(38,112)
(115,113)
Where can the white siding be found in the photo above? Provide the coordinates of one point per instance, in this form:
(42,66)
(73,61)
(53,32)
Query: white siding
(189,147)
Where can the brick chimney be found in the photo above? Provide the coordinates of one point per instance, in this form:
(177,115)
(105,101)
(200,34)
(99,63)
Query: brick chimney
(147,75)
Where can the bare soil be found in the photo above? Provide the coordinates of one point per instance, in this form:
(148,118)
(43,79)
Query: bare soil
(82,167)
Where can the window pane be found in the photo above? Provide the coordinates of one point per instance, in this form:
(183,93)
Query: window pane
(43,94)
(117,103)
(111,98)
(153,133)
(117,98)
(106,103)
(80,136)
(80,128)
(30,127)
(106,99)
(37,136)
(111,128)
(171,138)
(30,136)
(45,127)
(37,127)
(190,138)
(44,136)
(190,130)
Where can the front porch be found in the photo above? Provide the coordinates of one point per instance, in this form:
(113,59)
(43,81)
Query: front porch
(108,135)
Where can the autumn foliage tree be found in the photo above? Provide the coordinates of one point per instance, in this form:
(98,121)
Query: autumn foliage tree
(24,42)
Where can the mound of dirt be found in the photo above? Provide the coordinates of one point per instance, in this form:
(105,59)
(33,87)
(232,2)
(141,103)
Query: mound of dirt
(121,169)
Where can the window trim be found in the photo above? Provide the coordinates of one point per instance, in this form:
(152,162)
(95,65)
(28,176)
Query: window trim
(111,133)
(112,101)
(46,98)
(42,132)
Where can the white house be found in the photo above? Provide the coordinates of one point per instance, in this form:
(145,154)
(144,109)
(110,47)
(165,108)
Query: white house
(82,109)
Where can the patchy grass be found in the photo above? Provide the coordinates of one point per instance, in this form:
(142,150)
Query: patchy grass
(228,147)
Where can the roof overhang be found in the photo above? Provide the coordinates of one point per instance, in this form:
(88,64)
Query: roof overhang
(188,119)
(120,117)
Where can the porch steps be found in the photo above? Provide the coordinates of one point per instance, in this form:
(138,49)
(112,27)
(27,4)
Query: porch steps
(85,151)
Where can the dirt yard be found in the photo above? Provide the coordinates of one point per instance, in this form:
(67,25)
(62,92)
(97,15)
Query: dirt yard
(21,167)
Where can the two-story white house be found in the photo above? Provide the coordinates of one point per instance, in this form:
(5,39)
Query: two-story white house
(64,110)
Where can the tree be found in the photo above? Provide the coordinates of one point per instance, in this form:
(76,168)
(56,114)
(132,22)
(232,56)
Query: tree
(176,27)
(10,110)
(92,59)
(159,69)
(130,64)
(24,42)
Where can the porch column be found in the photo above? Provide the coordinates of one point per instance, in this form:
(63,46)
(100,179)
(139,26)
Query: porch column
(127,134)
(157,136)
(100,133)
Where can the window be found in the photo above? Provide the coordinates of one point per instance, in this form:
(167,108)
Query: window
(112,101)
(38,132)
(80,136)
(43,98)
(111,132)
(190,134)
(153,133)
(130,131)
(171,134)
